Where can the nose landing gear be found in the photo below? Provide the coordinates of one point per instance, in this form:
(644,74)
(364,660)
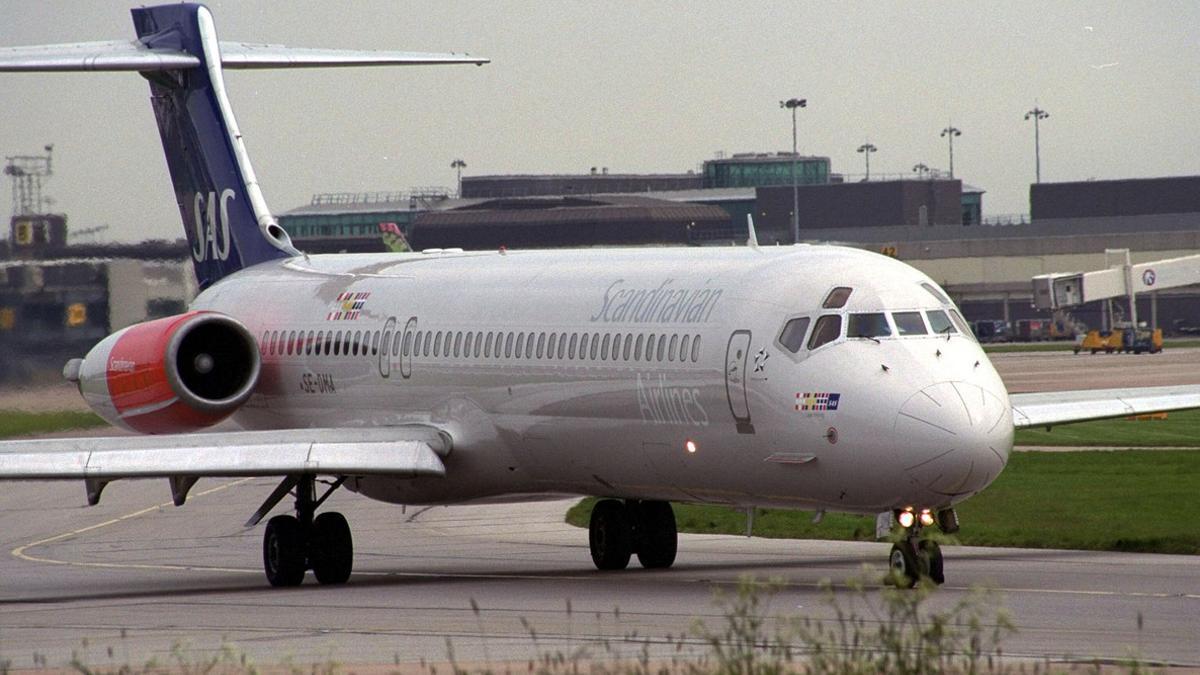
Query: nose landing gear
(913,557)
(620,529)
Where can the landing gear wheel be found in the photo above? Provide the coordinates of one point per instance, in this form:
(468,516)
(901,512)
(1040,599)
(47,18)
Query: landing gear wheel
(655,535)
(332,550)
(904,565)
(610,536)
(283,551)
(929,559)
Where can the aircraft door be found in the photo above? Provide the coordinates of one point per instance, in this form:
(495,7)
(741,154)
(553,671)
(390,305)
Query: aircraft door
(737,354)
(385,348)
(405,352)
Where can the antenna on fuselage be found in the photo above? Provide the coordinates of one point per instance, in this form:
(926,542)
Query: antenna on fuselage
(752,242)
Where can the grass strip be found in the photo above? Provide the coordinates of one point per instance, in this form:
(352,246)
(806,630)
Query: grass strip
(18,423)
(1179,429)
(1091,500)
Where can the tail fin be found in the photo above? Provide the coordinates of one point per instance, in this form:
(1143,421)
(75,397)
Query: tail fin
(225,217)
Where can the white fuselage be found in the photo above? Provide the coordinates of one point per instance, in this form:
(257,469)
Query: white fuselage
(488,347)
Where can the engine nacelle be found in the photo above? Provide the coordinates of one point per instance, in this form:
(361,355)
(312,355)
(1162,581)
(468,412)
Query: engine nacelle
(174,374)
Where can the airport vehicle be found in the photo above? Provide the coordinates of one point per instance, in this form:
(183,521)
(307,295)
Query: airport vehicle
(817,377)
(992,330)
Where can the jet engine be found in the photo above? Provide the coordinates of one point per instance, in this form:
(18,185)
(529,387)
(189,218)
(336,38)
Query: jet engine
(175,374)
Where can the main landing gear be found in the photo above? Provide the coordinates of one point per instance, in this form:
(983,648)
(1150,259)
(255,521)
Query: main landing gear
(912,557)
(292,545)
(620,529)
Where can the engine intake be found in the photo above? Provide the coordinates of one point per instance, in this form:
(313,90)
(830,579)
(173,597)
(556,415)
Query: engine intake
(174,374)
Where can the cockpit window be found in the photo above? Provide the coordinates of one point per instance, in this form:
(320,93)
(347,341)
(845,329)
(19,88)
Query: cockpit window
(792,337)
(961,323)
(868,325)
(940,322)
(837,298)
(941,297)
(909,323)
(827,329)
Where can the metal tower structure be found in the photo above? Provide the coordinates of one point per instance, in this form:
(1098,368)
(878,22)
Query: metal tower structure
(28,173)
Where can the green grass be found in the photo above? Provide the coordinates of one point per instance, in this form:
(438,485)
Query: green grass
(16,423)
(1135,500)
(1180,429)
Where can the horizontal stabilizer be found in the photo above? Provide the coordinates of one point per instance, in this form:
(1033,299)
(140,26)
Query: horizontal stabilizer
(399,451)
(1044,409)
(133,55)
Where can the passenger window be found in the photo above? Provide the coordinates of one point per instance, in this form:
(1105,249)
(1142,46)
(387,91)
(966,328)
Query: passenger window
(637,348)
(487,346)
(595,345)
(458,339)
(541,347)
(265,343)
(650,347)
(837,298)
(478,344)
(337,344)
(437,344)
(683,348)
(662,345)
(408,343)
(529,347)
(562,345)
(628,346)
(520,345)
(671,349)
(375,344)
(869,325)
(574,340)
(508,344)
(909,323)
(448,339)
(468,343)
(696,349)
(552,345)
(583,346)
(939,322)
(604,347)
(827,329)
(792,336)
(428,335)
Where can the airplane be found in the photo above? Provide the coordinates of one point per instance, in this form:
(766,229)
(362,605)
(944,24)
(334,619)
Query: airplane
(812,377)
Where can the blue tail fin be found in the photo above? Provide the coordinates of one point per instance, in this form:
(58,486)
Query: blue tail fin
(224,214)
(227,221)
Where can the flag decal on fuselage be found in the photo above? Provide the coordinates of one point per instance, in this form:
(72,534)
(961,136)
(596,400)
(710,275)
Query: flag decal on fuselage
(817,401)
(348,306)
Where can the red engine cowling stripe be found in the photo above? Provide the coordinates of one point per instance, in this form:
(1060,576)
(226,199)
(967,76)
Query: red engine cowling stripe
(137,376)
(173,419)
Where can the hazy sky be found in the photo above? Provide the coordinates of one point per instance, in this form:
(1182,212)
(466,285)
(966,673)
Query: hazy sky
(636,87)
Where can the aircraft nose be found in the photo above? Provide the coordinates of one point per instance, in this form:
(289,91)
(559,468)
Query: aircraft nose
(954,437)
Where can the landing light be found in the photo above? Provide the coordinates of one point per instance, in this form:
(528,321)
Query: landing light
(906,519)
(926,517)
(690,446)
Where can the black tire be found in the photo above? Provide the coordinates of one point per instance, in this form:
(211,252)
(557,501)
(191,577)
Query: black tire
(609,535)
(656,537)
(283,552)
(903,564)
(332,548)
(929,560)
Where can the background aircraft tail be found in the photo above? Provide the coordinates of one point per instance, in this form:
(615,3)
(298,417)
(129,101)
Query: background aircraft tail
(225,217)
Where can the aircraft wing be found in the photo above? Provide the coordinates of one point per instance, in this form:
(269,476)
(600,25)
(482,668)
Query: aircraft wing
(1045,409)
(414,450)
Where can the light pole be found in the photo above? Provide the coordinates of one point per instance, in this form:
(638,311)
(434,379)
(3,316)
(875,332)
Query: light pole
(1037,114)
(792,104)
(921,169)
(460,165)
(866,149)
(950,132)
